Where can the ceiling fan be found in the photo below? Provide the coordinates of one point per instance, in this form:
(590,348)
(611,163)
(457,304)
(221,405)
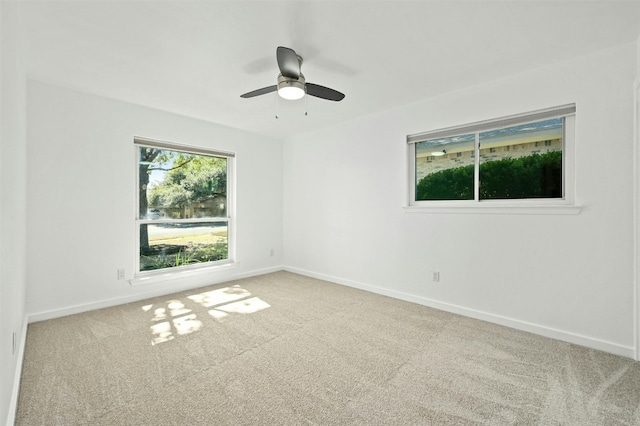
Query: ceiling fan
(291,83)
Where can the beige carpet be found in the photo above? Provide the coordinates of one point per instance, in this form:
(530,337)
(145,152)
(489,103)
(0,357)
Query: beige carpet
(283,349)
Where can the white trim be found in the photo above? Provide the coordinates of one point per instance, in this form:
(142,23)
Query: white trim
(156,292)
(136,208)
(173,146)
(577,339)
(480,208)
(569,147)
(15,392)
(231,209)
(636,218)
(412,173)
(590,342)
(496,123)
(168,274)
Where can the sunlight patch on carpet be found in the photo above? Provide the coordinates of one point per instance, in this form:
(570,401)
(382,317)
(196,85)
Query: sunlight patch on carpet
(178,317)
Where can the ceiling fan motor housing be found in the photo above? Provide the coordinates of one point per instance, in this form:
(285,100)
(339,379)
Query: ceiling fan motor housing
(291,88)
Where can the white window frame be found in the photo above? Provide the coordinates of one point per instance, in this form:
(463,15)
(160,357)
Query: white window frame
(565,205)
(146,277)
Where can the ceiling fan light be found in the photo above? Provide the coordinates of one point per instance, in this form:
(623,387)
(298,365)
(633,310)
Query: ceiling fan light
(291,92)
(290,88)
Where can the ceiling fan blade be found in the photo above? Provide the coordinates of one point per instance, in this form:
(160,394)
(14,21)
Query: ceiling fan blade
(288,62)
(259,92)
(324,92)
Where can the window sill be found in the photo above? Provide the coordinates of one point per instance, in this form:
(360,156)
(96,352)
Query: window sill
(559,209)
(168,275)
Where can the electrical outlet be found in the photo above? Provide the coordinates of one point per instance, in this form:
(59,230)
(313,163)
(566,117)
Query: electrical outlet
(14,343)
(273,252)
(121,274)
(435,277)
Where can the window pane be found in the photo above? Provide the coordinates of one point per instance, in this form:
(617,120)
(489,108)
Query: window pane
(444,168)
(180,244)
(523,161)
(179,185)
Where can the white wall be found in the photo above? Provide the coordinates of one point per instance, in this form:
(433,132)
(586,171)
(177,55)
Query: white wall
(566,276)
(12,210)
(81,195)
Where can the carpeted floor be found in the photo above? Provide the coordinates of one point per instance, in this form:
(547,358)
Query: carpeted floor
(283,349)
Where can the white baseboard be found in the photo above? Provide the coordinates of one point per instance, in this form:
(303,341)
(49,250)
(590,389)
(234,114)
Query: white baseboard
(589,342)
(152,292)
(13,403)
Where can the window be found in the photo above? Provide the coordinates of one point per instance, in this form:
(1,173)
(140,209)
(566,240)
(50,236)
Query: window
(183,206)
(517,158)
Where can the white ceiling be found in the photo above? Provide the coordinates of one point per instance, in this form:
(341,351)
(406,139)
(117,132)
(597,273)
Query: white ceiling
(197,57)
